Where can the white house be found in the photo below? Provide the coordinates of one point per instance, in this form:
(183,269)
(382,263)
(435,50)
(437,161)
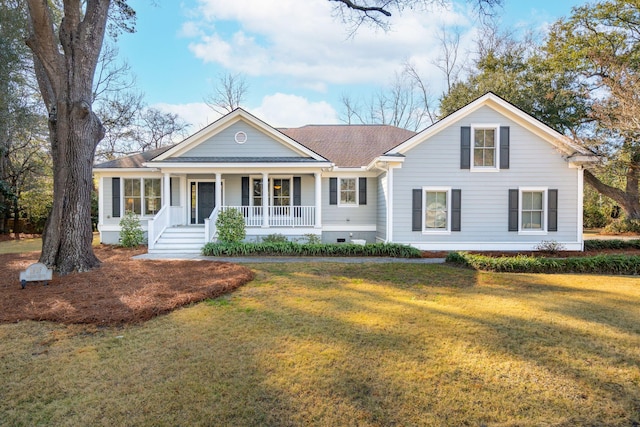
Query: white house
(487,177)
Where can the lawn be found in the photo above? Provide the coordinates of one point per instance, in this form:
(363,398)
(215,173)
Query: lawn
(335,344)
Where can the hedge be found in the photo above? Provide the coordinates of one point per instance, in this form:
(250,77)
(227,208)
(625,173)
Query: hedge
(594,245)
(315,249)
(599,264)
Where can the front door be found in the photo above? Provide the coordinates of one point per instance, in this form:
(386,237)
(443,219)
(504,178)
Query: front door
(203,201)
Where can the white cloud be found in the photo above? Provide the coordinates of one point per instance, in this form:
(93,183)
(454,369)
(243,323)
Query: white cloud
(304,42)
(284,110)
(278,110)
(197,114)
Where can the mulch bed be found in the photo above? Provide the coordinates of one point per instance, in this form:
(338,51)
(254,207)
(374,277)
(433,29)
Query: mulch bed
(122,290)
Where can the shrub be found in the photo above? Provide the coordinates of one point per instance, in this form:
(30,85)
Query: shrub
(599,264)
(131,234)
(594,217)
(310,249)
(275,238)
(594,245)
(312,239)
(550,246)
(230,226)
(623,226)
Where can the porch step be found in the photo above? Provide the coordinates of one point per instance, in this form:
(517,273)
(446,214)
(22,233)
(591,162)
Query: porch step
(180,240)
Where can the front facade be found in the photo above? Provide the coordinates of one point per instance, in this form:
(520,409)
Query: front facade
(488,177)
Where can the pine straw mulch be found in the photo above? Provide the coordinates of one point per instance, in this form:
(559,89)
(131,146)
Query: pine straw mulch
(122,290)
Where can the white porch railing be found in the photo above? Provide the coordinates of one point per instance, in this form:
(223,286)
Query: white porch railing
(210,225)
(157,225)
(279,216)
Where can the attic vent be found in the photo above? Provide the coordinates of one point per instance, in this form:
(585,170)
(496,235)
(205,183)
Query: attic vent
(241,137)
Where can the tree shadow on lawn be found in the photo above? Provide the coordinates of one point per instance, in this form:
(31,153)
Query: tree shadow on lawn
(121,290)
(571,354)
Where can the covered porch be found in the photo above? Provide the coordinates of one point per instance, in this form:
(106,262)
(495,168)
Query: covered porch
(286,202)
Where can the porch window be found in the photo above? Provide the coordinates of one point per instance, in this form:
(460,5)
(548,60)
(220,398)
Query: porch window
(257,192)
(152,196)
(142,195)
(281,192)
(132,199)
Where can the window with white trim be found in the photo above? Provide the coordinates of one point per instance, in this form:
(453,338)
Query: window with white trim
(142,195)
(485,147)
(281,193)
(532,211)
(348,192)
(436,211)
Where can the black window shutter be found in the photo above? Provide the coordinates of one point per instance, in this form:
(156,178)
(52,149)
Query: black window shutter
(513,210)
(333,191)
(115,197)
(245,191)
(552,224)
(456,209)
(297,191)
(362,189)
(465,147)
(297,197)
(504,147)
(416,211)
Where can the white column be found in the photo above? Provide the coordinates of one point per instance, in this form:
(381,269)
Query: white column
(101,183)
(318,207)
(218,190)
(265,200)
(166,197)
(390,204)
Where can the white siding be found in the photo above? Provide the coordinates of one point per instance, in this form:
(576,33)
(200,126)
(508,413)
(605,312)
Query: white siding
(533,163)
(258,144)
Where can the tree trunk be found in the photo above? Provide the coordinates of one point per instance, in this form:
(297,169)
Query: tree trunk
(628,200)
(68,235)
(65,64)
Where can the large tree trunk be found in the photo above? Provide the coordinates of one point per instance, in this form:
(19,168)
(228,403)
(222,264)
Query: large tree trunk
(65,67)
(629,199)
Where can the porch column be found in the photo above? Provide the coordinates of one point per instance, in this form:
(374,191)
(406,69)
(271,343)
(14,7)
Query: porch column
(166,197)
(318,210)
(218,190)
(265,200)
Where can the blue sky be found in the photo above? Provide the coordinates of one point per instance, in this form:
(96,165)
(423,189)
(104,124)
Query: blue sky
(296,57)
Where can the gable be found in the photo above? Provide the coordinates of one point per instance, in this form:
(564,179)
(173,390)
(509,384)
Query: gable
(492,109)
(257,144)
(238,135)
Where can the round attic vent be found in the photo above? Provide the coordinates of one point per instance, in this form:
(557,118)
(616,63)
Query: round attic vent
(241,137)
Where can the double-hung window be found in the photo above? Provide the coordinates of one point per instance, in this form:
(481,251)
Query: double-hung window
(348,192)
(142,196)
(532,213)
(485,155)
(436,209)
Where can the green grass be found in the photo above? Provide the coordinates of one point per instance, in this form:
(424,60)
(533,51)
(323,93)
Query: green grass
(20,246)
(334,344)
(30,245)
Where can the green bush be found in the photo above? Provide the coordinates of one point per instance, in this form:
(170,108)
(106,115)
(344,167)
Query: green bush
(310,249)
(230,226)
(623,226)
(275,238)
(599,264)
(312,239)
(594,217)
(131,234)
(594,245)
